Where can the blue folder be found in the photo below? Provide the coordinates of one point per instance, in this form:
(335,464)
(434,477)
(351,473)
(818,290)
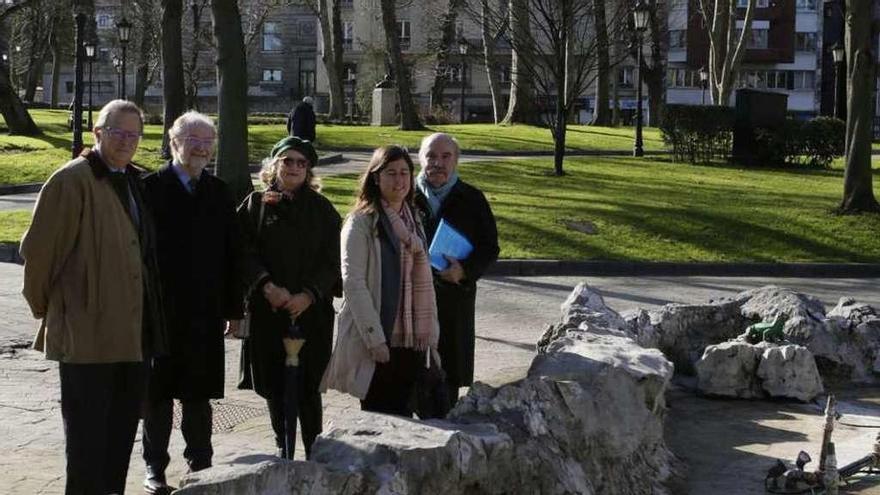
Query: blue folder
(450,242)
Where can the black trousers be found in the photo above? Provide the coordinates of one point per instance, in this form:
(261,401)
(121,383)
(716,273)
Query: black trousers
(309,410)
(391,389)
(100,406)
(195,425)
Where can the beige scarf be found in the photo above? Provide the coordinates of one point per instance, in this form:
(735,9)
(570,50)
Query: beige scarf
(415,324)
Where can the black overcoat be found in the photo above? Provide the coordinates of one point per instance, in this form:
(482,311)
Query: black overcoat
(199,251)
(301,122)
(297,248)
(466,209)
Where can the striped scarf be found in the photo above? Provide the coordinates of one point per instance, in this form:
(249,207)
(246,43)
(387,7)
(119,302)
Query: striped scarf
(416,323)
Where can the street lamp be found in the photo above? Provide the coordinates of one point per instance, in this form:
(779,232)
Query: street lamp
(640,21)
(124,27)
(462,49)
(90,56)
(117,64)
(704,80)
(77,144)
(839,54)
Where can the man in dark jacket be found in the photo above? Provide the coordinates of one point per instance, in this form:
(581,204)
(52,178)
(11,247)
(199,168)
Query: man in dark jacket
(301,122)
(90,274)
(441,195)
(199,258)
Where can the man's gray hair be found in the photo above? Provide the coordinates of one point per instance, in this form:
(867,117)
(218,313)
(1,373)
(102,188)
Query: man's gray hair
(188,120)
(430,139)
(114,107)
(309,100)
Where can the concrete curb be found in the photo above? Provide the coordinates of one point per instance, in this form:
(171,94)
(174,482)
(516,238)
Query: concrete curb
(526,268)
(535,268)
(254,168)
(514,154)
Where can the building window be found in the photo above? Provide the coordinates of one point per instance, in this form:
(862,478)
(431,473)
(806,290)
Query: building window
(761,4)
(104,21)
(757,38)
(625,77)
(504,74)
(404,34)
(272,75)
(678,4)
(347,35)
(806,4)
(307,76)
(349,71)
(677,39)
(804,79)
(805,42)
(346,3)
(271,37)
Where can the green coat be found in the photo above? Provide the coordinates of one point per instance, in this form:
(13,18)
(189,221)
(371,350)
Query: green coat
(296,247)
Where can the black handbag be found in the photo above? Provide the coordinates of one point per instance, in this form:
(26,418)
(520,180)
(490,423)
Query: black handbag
(432,396)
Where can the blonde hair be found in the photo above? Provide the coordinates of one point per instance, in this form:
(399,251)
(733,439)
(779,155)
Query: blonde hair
(269,173)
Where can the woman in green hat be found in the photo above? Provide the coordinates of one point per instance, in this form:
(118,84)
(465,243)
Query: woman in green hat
(291,236)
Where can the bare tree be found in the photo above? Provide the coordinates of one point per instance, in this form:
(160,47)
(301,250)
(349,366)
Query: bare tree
(232,104)
(655,48)
(147,40)
(858,188)
(726,49)
(194,67)
(409,116)
(521,103)
(18,120)
(442,49)
(172,67)
(601,109)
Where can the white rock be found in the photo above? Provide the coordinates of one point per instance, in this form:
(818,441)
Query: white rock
(789,371)
(729,369)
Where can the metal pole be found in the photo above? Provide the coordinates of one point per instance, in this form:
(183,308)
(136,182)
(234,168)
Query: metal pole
(90,92)
(703,91)
(839,92)
(77,145)
(638,148)
(461,98)
(124,97)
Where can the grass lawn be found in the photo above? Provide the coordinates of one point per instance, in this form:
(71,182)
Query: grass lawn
(651,210)
(33,159)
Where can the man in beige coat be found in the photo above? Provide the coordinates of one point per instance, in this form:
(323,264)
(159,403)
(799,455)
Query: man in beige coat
(90,276)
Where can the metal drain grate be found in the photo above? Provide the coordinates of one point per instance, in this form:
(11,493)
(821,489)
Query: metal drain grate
(226,414)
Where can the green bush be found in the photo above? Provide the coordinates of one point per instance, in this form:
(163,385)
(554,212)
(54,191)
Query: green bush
(697,133)
(815,142)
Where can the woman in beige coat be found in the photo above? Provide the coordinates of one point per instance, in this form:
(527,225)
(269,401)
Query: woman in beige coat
(388,319)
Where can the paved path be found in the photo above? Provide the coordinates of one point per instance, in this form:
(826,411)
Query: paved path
(512,313)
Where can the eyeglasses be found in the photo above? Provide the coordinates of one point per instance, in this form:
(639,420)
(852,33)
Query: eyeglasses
(199,142)
(298,162)
(122,134)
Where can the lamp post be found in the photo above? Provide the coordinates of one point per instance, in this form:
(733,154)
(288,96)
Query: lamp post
(124,28)
(640,21)
(117,64)
(704,79)
(90,55)
(77,145)
(462,49)
(839,54)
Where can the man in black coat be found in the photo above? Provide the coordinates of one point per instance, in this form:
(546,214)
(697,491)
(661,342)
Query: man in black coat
(301,122)
(441,195)
(199,260)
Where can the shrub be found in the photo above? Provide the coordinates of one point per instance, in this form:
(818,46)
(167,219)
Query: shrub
(814,143)
(824,139)
(697,133)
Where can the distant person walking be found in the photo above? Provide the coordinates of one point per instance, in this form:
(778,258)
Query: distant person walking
(301,122)
(441,195)
(200,259)
(90,274)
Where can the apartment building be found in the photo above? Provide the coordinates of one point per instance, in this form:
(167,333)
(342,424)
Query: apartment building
(281,56)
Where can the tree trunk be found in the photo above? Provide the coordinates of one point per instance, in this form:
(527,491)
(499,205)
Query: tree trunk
(56,72)
(34,77)
(18,120)
(409,115)
(559,124)
(601,110)
(615,103)
(521,105)
(172,67)
(232,104)
(192,72)
(331,36)
(142,69)
(441,64)
(489,62)
(656,97)
(858,191)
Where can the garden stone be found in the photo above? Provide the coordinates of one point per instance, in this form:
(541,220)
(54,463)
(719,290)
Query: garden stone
(729,370)
(272,477)
(789,371)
